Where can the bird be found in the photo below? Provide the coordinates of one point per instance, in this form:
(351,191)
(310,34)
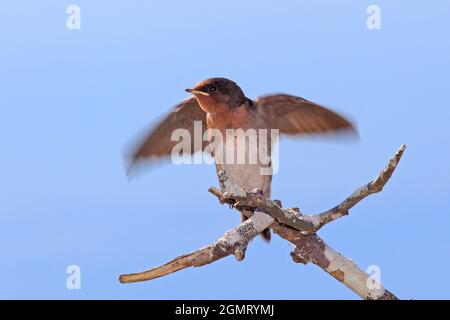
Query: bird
(220,104)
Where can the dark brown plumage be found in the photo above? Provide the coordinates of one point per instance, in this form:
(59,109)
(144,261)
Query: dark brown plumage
(158,142)
(294,115)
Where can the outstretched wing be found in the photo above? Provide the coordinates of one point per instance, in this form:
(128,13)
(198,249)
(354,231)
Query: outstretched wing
(158,144)
(294,115)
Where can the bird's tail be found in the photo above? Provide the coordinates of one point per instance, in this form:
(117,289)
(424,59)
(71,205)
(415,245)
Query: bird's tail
(265,235)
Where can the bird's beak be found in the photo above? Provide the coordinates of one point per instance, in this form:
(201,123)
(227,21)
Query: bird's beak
(193,91)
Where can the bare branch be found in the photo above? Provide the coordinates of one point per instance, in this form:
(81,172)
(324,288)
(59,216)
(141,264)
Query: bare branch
(292,226)
(299,229)
(233,242)
(311,248)
(307,224)
(374,186)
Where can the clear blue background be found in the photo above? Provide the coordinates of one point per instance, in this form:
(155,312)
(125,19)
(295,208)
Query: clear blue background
(72,101)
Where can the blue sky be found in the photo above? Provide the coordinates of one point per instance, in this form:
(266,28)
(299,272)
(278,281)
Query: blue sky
(71,102)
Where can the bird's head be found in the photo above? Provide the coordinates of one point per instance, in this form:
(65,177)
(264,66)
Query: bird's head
(216,93)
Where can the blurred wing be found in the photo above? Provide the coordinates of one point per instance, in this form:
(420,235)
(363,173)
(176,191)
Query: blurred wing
(157,143)
(294,115)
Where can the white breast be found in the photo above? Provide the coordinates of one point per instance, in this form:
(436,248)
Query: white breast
(246,163)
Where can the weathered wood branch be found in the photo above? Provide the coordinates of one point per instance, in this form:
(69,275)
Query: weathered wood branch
(311,248)
(307,224)
(233,242)
(290,225)
(374,186)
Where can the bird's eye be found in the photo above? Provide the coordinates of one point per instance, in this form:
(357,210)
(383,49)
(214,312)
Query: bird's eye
(212,89)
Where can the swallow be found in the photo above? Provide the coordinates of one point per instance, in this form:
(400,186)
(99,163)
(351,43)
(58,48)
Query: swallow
(220,104)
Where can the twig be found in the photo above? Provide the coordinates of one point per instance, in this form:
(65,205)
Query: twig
(307,224)
(234,242)
(374,186)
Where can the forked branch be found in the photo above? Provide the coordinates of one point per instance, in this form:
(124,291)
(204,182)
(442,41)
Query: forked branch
(291,225)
